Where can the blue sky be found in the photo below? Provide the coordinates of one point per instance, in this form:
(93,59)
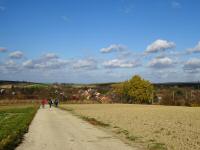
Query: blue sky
(87,41)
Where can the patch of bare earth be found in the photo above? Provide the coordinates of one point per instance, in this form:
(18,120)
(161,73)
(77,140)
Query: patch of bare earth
(158,127)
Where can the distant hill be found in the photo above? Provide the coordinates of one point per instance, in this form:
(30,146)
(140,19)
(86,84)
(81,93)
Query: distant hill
(3,82)
(179,84)
(166,84)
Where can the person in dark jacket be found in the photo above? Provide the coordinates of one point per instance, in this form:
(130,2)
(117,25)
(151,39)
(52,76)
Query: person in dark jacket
(56,102)
(50,103)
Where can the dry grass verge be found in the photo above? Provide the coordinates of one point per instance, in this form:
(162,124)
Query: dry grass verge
(92,121)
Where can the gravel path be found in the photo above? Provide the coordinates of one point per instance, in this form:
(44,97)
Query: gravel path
(55,129)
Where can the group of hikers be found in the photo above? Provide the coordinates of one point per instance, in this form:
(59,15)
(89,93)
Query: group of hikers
(51,102)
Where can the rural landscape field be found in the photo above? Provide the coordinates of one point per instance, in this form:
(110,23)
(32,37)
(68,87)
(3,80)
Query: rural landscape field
(141,120)
(99,75)
(164,127)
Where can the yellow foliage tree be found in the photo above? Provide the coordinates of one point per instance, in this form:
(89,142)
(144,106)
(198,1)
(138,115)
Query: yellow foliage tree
(136,90)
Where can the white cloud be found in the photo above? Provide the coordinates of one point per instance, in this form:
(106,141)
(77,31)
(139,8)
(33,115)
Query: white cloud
(9,66)
(49,61)
(43,64)
(192,65)
(118,63)
(195,49)
(52,62)
(161,62)
(2,49)
(159,45)
(28,64)
(85,64)
(176,4)
(16,54)
(10,63)
(50,56)
(113,48)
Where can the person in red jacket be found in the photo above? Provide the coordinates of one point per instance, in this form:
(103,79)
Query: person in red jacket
(44,101)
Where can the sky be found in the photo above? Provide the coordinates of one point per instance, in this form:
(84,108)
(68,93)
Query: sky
(94,41)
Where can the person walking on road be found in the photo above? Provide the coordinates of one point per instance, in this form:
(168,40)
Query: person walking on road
(56,102)
(44,101)
(50,103)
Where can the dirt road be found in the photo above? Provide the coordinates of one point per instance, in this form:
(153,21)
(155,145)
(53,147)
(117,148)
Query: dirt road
(55,129)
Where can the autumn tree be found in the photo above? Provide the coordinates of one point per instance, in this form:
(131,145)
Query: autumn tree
(136,90)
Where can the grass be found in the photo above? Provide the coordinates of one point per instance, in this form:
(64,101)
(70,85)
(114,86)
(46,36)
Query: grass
(14,122)
(37,86)
(157,146)
(94,121)
(157,127)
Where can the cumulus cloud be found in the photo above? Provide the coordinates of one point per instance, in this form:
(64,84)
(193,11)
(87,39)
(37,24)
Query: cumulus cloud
(85,64)
(113,48)
(51,62)
(159,45)
(48,61)
(9,66)
(119,63)
(50,56)
(43,64)
(195,49)
(161,62)
(28,64)
(2,49)
(16,54)
(55,64)
(192,65)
